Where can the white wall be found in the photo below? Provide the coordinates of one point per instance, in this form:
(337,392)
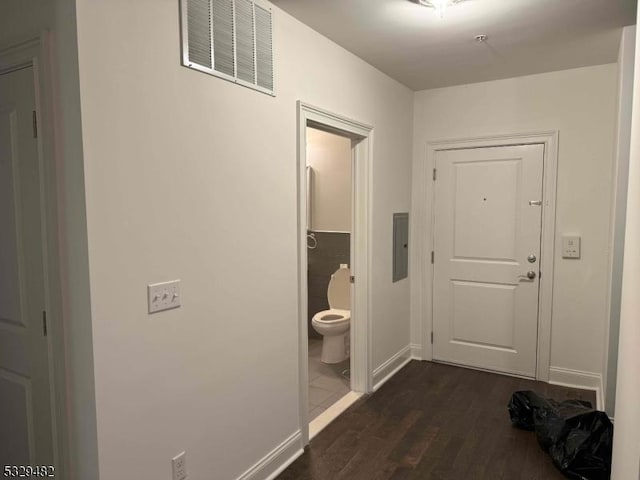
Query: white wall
(191,177)
(581,105)
(20,21)
(626,60)
(329,156)
(626,440)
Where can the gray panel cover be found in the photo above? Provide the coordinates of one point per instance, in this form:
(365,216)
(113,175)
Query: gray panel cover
(400,246)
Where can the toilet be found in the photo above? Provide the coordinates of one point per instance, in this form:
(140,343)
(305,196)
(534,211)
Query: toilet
(333,324)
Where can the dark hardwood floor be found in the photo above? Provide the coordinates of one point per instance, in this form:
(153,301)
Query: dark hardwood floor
(432,421)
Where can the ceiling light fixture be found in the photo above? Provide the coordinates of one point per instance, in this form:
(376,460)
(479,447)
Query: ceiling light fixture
(440,6)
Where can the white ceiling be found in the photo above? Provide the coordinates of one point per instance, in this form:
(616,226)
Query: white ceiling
(411,44)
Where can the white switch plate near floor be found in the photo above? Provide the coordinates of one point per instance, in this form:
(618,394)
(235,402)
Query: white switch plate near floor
(570,246)
(179,466)
(163,296)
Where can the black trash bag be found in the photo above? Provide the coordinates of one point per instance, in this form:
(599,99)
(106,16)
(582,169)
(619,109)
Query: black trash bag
(578,438)
(522,407)
(585,452)
(551,423)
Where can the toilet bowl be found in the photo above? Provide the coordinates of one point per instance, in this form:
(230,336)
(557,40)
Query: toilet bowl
(333,324)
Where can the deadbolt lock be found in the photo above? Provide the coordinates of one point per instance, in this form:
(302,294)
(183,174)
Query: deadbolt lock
(532,258)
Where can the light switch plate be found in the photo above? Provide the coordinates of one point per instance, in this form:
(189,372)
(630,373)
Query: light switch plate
(570,246)
(163,296)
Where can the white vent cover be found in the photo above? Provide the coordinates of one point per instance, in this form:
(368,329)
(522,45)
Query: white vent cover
(231,39)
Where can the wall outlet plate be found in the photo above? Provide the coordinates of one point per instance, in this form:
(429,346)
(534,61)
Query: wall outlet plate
(179,466)
(163,296)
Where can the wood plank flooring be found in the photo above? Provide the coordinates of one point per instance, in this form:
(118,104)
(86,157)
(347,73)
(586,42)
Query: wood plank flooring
(432,421)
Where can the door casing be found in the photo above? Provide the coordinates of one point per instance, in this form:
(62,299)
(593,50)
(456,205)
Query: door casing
(423,234)
(362,141)
(35,53)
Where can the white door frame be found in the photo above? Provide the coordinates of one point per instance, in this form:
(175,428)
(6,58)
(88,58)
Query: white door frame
(362,135)
(36,53)
(425,234)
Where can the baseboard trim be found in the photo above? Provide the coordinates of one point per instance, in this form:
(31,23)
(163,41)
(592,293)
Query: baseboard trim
(416,351)
(578,379)
(389,368)
(277,460)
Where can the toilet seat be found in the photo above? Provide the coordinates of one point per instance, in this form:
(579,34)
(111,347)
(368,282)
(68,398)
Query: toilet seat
(341,316)
(339,297)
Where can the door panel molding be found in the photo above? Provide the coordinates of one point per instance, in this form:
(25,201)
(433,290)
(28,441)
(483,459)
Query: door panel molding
(25,384)
(423,230)
(20,319)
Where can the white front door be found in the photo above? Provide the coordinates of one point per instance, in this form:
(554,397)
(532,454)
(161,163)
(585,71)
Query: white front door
(26,431)
(487,226)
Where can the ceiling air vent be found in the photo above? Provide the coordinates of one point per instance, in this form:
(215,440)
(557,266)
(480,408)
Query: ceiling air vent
(231,39)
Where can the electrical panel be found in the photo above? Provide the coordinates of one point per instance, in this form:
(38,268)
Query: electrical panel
(400,246)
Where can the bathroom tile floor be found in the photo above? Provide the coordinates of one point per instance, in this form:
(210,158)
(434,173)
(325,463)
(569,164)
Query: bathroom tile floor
(326,382)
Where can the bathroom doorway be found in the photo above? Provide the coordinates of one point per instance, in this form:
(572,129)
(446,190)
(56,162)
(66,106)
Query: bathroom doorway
(329,225)
(333,185)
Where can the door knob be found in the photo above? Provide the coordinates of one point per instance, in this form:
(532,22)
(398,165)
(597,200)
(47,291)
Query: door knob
(530,275)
